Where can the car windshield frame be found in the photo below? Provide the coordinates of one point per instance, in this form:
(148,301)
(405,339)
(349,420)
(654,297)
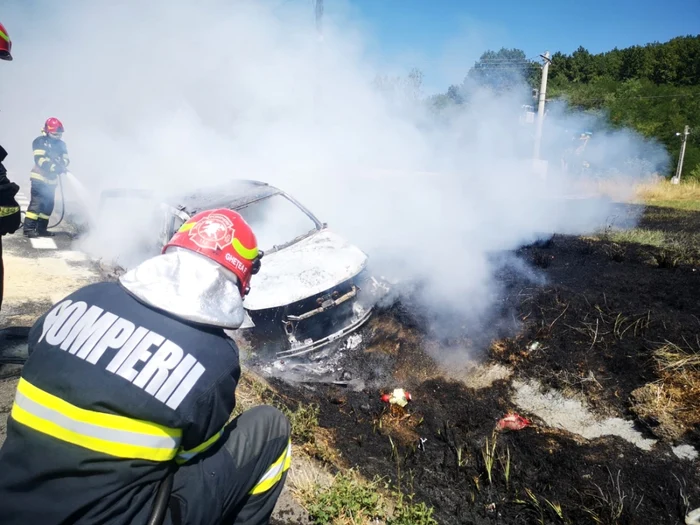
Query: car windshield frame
(318,225)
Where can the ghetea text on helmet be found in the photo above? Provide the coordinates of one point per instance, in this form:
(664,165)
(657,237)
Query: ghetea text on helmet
(223,236)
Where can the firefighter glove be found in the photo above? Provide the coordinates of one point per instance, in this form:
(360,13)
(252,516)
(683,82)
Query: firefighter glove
(9,209)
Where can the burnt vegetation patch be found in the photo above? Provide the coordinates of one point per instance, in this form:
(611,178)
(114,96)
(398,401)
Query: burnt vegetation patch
(444,451)
(611,325)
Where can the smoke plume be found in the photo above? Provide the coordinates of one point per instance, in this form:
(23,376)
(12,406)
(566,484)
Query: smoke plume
(172,96)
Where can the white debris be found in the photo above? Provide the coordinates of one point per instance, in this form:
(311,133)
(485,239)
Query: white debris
(571,415)
(685,452)
(693,517)
(353,341)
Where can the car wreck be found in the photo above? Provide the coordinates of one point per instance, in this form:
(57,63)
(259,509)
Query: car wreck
(313,288)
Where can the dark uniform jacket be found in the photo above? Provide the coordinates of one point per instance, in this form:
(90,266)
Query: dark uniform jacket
(113,394)
(9,209)
(50,158)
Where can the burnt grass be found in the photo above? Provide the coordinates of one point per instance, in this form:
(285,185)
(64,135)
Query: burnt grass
(605,309)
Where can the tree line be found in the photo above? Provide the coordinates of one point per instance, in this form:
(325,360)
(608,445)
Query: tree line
(653,89)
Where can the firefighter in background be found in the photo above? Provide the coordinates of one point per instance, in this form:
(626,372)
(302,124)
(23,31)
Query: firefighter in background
(127,381)
(50,161)
(572,161)
(9,209)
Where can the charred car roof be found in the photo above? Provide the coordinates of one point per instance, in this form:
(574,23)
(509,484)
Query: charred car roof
(232,195)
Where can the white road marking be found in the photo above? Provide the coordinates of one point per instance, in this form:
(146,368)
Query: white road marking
(43,243)
(22,200)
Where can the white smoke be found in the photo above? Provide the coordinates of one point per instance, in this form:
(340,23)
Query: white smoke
(176,96)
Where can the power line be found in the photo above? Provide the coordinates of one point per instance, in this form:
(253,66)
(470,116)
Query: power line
(498,62)
(509,60)
(483,69)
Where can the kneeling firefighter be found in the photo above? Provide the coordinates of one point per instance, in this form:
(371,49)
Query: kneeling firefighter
(50,161)
(131,383)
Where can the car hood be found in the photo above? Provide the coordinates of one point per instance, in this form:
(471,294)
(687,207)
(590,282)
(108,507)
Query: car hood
(306,268)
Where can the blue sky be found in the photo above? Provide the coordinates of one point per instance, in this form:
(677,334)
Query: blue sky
(444,37)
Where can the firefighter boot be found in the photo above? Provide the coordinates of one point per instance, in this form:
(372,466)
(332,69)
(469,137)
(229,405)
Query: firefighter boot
(30,229)
(42,225)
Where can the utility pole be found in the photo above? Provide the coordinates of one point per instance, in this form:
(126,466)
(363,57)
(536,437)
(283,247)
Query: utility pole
(319,19)
(318,8)
(540,106)
(677,177)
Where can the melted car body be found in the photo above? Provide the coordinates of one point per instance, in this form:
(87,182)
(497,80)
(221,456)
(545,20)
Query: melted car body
(313,287)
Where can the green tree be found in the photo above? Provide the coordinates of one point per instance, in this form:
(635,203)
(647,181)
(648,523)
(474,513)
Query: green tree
(501,70)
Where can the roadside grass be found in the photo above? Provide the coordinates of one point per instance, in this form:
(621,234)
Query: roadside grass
(636,236)
(352,500)
(671,248)
(684,196)
(303,419)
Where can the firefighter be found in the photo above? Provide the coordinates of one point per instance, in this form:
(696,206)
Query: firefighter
(50,161)
(9,209)
(127,381)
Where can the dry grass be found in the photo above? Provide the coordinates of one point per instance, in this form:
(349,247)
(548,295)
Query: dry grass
(672,404)
(684,196)
(386,335)
(398,423)
(658,406)
(307,476)
(671,357)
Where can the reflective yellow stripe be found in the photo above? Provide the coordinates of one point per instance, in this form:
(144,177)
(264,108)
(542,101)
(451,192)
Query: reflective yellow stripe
(31,216)
(186,227)
(43,160)
(8,210)
(183,456)
(41,178)
(39,152)
(44,216)
(246,253)
(275,472)
(107,433)
(4,36)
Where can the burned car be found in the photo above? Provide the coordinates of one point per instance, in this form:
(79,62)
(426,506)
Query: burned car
(313,288)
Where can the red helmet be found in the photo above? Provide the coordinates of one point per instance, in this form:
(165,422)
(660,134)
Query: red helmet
(5,44)
(53,126)
(223,236)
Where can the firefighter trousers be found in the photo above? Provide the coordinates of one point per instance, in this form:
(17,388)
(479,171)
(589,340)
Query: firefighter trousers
(238,481)
(41,203)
